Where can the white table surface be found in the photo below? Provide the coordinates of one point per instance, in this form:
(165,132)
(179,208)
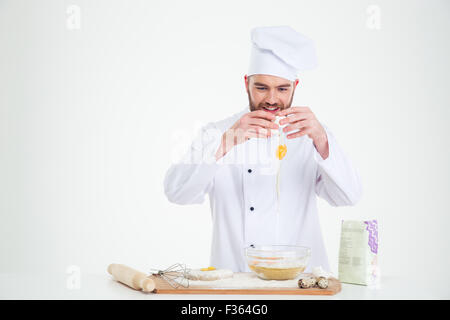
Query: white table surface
(102,286)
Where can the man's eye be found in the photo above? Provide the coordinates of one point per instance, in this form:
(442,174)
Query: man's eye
(262,88)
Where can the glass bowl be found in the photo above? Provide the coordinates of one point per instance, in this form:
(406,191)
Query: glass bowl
(278,262)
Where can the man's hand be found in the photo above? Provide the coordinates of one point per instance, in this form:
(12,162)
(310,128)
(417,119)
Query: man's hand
(255,124)
(302,118)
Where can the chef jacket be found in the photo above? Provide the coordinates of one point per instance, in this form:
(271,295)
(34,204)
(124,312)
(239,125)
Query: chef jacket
(242,191)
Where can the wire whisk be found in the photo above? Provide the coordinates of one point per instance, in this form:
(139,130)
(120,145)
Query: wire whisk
(175,275)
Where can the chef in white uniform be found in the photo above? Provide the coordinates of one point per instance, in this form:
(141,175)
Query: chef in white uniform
(234,163)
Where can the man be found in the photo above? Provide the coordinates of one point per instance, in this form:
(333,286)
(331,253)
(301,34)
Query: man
(232,161)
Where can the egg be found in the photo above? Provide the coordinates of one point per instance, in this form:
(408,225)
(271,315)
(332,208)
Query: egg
(322,283)
(277,121)
(307,282)
(276,132)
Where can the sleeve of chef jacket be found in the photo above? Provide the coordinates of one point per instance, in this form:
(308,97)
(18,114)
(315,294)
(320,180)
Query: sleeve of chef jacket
(188,181)
(337,181)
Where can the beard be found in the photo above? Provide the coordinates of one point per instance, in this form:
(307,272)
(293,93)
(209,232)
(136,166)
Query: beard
(261,105)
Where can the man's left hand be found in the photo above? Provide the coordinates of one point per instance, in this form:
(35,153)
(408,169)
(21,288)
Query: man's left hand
(302,118)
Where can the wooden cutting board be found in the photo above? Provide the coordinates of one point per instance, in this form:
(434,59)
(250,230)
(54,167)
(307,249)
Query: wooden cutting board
(162,286)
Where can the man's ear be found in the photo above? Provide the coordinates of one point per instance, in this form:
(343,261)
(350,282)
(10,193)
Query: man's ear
(246,82)
(296,83)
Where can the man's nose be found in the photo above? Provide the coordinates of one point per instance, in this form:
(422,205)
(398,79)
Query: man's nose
(271,98)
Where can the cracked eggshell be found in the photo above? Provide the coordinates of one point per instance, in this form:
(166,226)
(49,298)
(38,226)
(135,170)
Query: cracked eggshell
(277,121)
(276,132)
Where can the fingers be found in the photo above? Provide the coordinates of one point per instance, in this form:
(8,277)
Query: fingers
(256,124)
(260,118)
(296,117)
(299,133)
(262,114)
(240,136)
(258,132)
(262,123)
(297,125)
(291,110)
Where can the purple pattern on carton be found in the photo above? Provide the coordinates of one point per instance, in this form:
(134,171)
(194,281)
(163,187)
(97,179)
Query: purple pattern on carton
(372,227)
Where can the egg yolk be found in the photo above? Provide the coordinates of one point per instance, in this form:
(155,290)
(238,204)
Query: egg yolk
(208,269)
(281,151)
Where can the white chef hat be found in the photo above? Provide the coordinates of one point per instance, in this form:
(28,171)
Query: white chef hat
(280,51)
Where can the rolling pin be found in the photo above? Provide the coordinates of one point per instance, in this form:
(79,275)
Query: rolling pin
(132,278)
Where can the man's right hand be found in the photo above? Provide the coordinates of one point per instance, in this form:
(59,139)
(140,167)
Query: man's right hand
(255,124)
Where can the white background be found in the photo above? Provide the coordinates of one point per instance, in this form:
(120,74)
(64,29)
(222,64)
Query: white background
(91,117)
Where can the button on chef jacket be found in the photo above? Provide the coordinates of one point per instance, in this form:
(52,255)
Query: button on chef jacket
(241,187)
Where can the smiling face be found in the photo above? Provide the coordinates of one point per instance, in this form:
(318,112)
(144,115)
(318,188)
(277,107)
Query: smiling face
(269,93)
